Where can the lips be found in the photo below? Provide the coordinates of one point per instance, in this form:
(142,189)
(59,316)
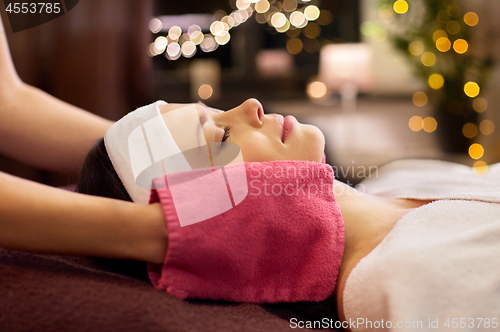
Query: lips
(288,124)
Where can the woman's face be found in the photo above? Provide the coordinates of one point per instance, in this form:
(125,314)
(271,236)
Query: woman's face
(261,137)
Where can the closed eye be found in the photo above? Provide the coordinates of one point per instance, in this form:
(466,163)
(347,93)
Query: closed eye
(227,131)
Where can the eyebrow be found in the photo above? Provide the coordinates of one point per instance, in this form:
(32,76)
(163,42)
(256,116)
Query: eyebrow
(203,115)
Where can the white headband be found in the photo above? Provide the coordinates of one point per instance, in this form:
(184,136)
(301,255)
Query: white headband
(136,142)
(141,147)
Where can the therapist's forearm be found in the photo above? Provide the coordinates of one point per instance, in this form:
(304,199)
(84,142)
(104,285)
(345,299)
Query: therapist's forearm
(35,217)
(46,132)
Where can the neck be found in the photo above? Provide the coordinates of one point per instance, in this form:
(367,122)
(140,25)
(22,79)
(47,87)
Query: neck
(367,218)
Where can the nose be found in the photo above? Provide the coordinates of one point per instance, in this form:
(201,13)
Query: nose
(250,112)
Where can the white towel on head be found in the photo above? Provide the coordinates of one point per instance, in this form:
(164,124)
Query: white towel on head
(441,261)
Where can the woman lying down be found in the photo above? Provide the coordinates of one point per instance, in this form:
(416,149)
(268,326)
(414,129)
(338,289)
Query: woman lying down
(255,215)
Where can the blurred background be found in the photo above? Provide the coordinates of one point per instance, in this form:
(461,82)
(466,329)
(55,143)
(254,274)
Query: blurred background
(383,79)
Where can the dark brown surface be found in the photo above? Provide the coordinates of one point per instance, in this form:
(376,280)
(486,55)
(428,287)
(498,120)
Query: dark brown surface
(62,293)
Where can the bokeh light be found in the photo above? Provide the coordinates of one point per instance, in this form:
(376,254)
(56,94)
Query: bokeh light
(471,19)
(160,44)
(420,98)
(471,89)
(208,44)
(297,18)
(460,46)
(476,151)
(480,104)
(311,12)
(430,124)
(289,5)
(312,30)
(428,59)
(223,39)
(436,81)
(175,32)
(416,48)
(205,91)
(242,4)
(443,16)
(262,6)
(416,123)
(453,27)
(443,44)
(284,28)
(469,130)
(487,127)
(197,37)
(155,25)
(400,6)
(278,20)
(173,51)
(316,90)
(439,34)
(480,168)
(325,17)
(188,49)
(294,45)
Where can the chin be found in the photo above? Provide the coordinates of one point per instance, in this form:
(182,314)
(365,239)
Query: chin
(315,142)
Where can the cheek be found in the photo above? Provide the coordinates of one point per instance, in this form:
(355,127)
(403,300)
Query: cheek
(259,148)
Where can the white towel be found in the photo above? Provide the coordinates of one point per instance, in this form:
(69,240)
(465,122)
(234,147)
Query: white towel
(440,265)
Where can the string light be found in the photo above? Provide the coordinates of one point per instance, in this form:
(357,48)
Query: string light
(480,168)
(283,15)
(476,151)
(436,81)
(400,6)
(420,99)
(471,89)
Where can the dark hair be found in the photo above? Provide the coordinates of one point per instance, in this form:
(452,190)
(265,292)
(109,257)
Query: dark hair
(98,176)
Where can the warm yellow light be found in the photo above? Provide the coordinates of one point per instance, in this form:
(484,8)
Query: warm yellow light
(487,127)
(278,20)
(430,124)
(471,89)
(439,34)
(289,5)
(312,30)
(205,91)
(294,45)
(223,39)
(297,18)
(471,19)
(316,90)
(284,28)
(469,130)
(325,17)
(480,168)
(443,44)
(292,33)
(175,32)
(242,4)
(436,81)
(160,44)
(420,99)
(380,35)
(188,49)
(262,6)
(416,47)
(428,59)
(476,151)
(385,11)
(416,123)
(480,104)
(453,27)
(460,46)
(155,25)
(197,37)
(443,16)
(311,12)
(400,6)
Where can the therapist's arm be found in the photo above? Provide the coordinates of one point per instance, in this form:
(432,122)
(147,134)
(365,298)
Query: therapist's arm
(39,218)
(39,129)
